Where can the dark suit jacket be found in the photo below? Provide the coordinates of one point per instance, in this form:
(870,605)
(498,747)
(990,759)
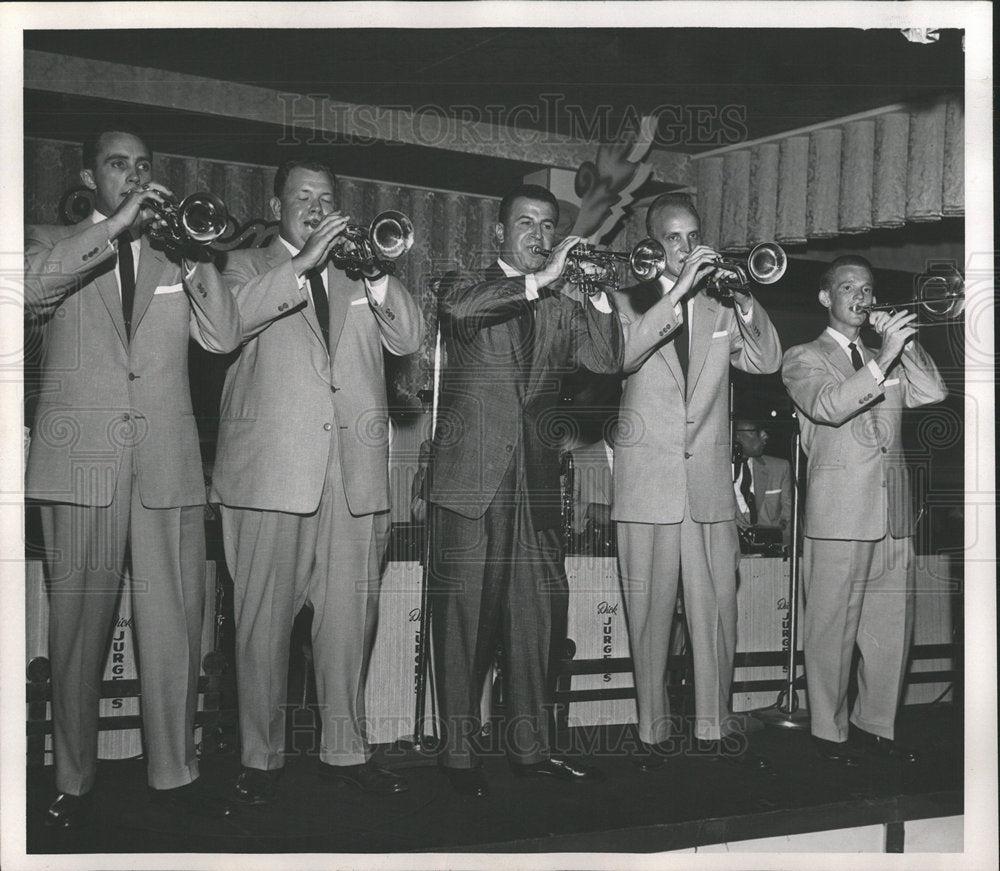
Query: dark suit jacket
(100,391)
(506,361)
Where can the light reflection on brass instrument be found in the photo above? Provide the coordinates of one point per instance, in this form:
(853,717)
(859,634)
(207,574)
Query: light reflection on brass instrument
(593,270)
(939,301)
(388,237)
(765,264)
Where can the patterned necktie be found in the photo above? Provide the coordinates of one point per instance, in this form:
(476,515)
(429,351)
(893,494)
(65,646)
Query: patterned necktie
(321,303)
(126,274)
(745,483)
(856,360)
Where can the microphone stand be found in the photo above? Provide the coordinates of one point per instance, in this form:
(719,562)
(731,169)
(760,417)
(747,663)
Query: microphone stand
(424,625)
(785,712)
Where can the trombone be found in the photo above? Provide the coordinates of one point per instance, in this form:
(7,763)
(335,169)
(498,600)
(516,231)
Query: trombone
(938,299)
(594,271)
(388,237)
(765,264)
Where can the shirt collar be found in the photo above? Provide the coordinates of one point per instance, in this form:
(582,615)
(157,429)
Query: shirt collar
(842,340)
(508,270)
(291,248)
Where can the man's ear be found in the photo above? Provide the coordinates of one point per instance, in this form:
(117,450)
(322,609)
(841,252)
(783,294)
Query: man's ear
(824,298)
(499,231)
(275,203)
(87,177)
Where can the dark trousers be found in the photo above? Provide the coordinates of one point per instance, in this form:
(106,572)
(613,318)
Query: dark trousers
(490,575)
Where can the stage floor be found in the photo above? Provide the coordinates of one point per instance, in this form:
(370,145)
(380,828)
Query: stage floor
(693,801)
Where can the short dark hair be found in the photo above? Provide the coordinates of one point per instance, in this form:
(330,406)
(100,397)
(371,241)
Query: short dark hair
(285,170)
(665,202)
(826,279)
(110,125)
(527,192)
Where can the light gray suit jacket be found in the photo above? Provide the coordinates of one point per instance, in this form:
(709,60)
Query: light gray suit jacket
(673,451)
(856,475)
(772,494)
(285,392)
(101,392)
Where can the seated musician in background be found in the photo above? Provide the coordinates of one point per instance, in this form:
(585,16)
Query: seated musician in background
(118,310)
(762,484)
(301,471)
(858,572)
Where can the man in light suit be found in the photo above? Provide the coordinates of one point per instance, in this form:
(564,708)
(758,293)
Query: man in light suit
(301,471)
(497,560)
(858,573)
(116,467)
(674,501)
(762,484)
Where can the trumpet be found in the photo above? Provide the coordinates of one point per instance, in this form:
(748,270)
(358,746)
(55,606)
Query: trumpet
(765,264)
(199,219)
(388,237)
(594,271)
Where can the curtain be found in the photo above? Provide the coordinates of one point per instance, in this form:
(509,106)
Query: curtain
(451,230)
(882,171)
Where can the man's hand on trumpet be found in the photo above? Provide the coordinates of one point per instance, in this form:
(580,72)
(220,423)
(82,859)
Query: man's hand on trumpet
(135,208)
(895,329)
(556,263)
(698,264)
(320,242)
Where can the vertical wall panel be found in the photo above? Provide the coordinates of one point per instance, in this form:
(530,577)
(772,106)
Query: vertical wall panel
(889,186)
(735,201)
(953,187)
(925,167)
(823,190)
(762,223)
(793,174)
(857,177)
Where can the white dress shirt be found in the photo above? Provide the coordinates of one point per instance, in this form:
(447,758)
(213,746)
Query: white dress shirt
(600,300)
(96,217)
(843,341)
(376,288)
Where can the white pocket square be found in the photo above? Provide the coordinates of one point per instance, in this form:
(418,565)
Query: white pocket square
(890,381)
(168,288)
(362,301)
(718,334)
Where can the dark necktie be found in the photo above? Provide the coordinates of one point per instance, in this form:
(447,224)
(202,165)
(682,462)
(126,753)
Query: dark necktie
(321,303)
(126,274)
(745,483)
(856,360)
(681,342)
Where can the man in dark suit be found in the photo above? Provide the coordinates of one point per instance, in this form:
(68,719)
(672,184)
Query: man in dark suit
(497,561)
(762,484)
(301,471)
(857,563)
(115,464)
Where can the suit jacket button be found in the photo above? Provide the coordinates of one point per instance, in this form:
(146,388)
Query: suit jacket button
(327,427)
(124,417)
(132,376)
(884,450)
(687,456)
(333,388)
(508,448)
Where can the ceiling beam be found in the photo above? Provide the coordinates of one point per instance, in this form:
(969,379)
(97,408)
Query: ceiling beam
(306,119)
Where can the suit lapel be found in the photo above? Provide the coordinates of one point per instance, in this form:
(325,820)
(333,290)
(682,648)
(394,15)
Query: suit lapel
(520,329)
(277,254)
(151,263)
(107,289)
(705,314)
(642,298)
(338,291)
(838,357)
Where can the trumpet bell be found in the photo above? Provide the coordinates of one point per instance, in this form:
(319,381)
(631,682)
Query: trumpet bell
(767,262)
(391,234)
(203,217)
(941,297)
(648,260)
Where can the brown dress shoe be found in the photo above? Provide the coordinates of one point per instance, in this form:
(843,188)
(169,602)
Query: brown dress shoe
(558,768)
(256,786)
(875,745)
(68,811)
(836,751)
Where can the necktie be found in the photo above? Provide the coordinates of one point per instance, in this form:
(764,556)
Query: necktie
(856,360)
(681,341)
(321,304)
(745,490)
(126,274)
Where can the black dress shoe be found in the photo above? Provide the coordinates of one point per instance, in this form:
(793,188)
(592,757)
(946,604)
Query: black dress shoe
(68,811)
(836,751)
(194,798)
(368,777)
(558,768)
(468,782)
(875,745)
(737,754)
(256,786)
